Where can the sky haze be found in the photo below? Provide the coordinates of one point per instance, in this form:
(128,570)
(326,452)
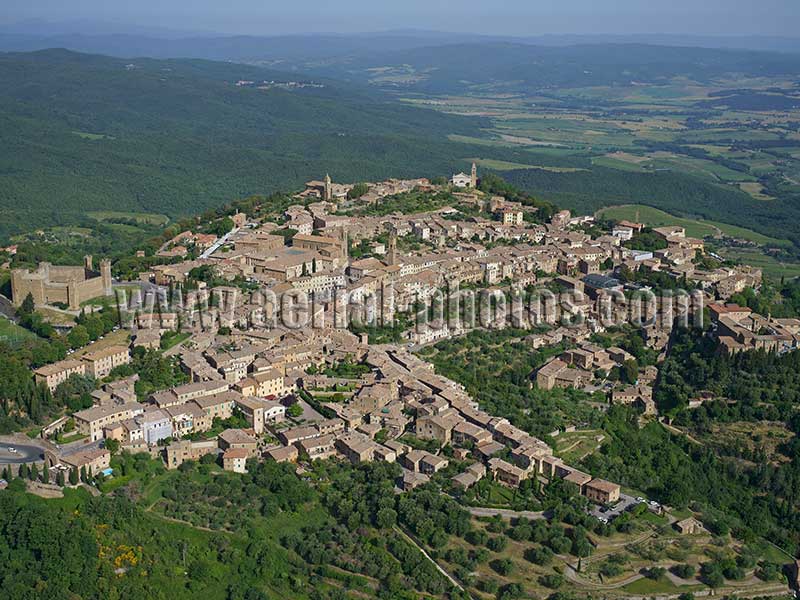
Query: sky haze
(509,17)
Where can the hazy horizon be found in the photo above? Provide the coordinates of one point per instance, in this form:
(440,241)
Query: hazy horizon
(513,18)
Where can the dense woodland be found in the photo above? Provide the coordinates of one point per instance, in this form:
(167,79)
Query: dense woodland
(172,137)
(754,387)
(175,137)
(681,473)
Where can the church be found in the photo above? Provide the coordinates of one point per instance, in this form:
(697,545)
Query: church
(466,181)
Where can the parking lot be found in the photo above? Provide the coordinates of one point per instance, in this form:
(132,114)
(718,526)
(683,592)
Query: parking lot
(626,502)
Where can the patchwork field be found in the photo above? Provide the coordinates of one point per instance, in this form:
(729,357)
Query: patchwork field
(742,151)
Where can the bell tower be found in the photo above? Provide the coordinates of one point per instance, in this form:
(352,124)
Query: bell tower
(391,254)
(344,238)
(328,191)
(473,177)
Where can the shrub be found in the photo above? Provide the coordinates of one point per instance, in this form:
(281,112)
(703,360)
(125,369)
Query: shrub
(502,566)
(552,581)
(539,556)
(684,571)
(497,544)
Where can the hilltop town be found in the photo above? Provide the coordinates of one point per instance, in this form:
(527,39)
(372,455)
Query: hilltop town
(341,375)
(331,246)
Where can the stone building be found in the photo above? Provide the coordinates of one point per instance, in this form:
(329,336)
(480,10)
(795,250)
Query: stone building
(71,286)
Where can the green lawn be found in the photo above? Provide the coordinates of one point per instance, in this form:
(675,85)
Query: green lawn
(573,446)
(700,167)
(103,300)
(176,339)
(92,136)
(98,301)
(70,438)
(502,165)
(615,163)
(13,334)
(647,586)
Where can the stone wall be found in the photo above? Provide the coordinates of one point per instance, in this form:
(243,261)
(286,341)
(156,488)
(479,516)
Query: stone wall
(50,284)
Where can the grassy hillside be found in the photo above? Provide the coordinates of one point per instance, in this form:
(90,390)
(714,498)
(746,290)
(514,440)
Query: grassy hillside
(676,193)
(700,228)
(85,133)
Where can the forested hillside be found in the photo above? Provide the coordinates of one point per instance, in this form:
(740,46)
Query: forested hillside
(82,133)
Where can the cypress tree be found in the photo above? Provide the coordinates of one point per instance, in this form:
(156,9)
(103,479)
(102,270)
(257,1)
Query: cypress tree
(28,306)
(33,475)
(46,473)
(73,477)
(60,478)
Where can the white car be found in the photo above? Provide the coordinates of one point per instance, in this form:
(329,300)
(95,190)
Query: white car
(12,450)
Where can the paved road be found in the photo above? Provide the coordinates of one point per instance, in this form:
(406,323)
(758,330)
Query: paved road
(24,454)
(218,243)
(7,309)
(79,446)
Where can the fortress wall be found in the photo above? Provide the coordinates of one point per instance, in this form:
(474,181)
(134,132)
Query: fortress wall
(68,285)
(58,274)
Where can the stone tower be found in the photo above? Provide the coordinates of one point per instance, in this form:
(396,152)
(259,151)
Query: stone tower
(391,254)
(473,176)
(344,236)
(105,273)
(328,191)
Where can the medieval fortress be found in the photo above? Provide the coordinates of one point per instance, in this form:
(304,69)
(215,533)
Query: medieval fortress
(70,286)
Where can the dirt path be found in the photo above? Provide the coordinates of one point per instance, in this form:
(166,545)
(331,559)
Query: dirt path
(481,511)
(449,577)
(677,431)
(572,575)
(150,510)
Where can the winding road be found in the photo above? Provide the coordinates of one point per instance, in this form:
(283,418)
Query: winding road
(23,454)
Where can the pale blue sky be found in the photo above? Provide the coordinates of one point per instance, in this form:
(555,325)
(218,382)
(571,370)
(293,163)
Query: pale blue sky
(514,17)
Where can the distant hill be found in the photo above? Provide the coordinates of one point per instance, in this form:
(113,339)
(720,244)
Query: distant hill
(81,133)
(521,67)
(451,62)
(288,49)
(123,40)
